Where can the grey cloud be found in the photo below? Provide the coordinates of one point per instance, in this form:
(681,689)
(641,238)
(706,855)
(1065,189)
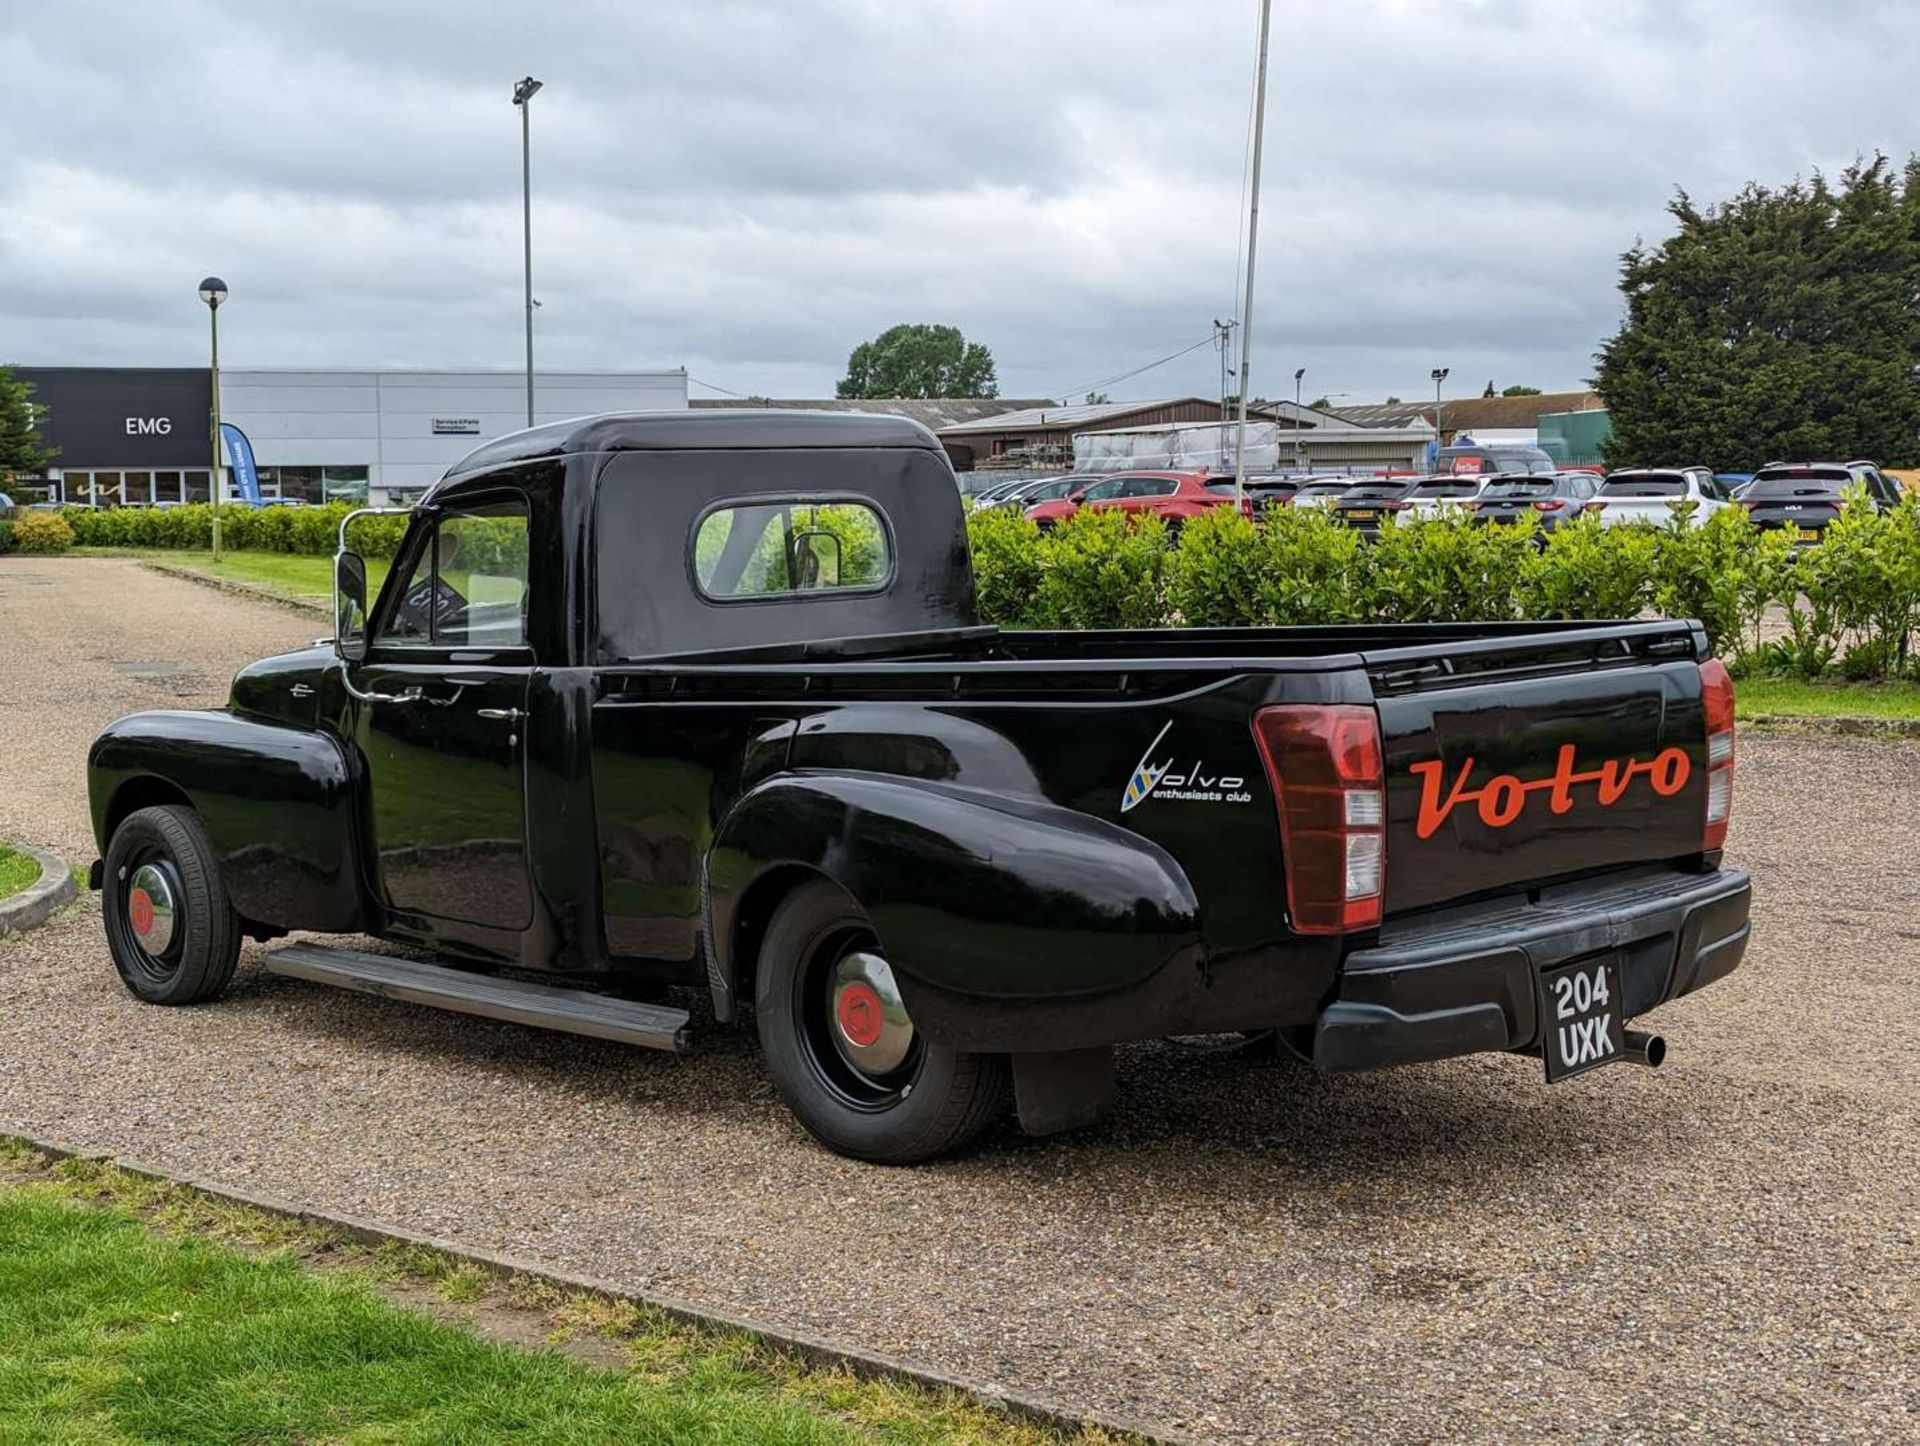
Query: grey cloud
(752,188)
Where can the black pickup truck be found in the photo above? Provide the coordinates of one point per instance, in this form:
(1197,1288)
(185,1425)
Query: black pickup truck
(663,705)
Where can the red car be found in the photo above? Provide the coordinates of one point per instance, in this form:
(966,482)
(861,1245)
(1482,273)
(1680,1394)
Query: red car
(1174,497)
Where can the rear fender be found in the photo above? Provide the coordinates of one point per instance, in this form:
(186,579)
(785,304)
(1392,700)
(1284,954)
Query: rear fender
(277,804)
(979,899)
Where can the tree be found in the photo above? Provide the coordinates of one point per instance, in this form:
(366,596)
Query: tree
(1520,392)
(919,361)
(1780,323)
(1096,399)
(21,453)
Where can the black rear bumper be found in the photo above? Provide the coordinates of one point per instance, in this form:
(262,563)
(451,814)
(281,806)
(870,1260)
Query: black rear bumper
(1465,980)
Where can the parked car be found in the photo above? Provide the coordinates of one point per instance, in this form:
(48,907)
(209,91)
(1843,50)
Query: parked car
(1651,494)
(1805,496)
(1037,490)
(6,505)
(1321,494)
(1493,458)
(1433,496)
(1542,503)
(1366,504)
(1265,491)
(1174,497)
(703,699)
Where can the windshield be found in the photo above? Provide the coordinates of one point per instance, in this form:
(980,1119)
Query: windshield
(1644,484)
(1520,487)
(1322,489)
(1448,487)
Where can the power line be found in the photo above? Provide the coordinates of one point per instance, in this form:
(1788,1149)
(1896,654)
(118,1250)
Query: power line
(712,388)
(1072,392)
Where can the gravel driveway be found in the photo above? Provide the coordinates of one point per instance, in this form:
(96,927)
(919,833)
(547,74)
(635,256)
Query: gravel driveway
(1724,1248)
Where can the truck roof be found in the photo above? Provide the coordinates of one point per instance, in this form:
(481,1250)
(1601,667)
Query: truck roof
(716,429)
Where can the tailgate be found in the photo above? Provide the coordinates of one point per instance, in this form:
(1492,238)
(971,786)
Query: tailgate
(1516,762)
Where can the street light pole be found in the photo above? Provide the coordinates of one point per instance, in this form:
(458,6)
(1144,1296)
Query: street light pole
(1299,459)
(1253,244)
(524,91)
(213,291)
(1439,376)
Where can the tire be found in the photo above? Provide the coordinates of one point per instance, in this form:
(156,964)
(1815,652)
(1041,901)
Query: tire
(202,944)
(934,1101)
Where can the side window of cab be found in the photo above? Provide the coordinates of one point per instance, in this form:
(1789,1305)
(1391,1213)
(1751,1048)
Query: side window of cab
(466,584)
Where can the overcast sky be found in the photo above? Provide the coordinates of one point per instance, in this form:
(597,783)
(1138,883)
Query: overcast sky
(749,189)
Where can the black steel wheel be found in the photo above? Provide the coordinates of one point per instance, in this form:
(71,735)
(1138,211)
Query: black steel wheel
(173,934)
(842,1049)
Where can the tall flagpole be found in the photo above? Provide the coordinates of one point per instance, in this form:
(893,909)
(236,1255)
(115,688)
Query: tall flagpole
(1253,245)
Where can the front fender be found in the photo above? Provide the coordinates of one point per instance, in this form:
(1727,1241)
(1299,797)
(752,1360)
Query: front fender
(277,803)
(980,900)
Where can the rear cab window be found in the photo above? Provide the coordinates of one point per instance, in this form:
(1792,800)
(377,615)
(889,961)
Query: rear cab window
(794,547)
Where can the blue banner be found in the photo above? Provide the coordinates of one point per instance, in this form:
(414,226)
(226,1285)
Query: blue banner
(246,477)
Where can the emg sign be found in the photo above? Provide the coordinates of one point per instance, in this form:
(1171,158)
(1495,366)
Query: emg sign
(149,426)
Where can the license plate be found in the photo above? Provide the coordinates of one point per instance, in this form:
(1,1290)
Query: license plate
(1809,534)
(1360,514)
(1580,1004)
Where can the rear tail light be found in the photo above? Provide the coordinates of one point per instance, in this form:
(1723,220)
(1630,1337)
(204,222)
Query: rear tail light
(1325,767)
(1716,699)
(1749,503)
(1552,504)
(1594,507)
(1396,506)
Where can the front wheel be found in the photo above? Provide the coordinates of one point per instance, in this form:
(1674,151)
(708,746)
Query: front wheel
(173,934)
(842,1050)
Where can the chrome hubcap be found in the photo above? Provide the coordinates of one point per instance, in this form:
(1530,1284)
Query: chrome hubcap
(151,909)
(871,1029)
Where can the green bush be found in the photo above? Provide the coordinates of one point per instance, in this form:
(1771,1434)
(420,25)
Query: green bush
(1103,570)
(7,544)
(42,532)
(1006,565)
(1312,570)
(311,531)
(1445,568)
(1213,578)
(1587,571)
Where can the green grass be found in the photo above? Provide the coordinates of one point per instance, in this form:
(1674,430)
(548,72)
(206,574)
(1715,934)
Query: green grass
(137,1311)
(16,871)
(289,574)
(1754,697)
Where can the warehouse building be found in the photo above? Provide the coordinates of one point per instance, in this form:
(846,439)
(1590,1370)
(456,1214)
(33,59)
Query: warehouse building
(139,436)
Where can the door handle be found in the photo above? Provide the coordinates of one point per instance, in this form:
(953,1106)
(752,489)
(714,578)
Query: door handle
(503,715)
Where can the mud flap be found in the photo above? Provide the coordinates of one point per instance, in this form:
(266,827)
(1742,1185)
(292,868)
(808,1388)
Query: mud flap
(1063,1090)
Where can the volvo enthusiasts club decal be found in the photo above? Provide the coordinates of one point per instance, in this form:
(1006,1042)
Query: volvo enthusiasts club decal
(1191,785)
(1500,800)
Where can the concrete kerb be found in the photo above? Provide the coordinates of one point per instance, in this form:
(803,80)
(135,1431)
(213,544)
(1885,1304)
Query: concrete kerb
(31,907)
(238,589)
(814,1350)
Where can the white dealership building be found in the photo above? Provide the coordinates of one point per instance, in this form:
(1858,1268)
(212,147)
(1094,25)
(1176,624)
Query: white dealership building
(137,436)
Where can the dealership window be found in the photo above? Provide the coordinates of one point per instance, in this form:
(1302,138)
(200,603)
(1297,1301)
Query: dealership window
(314,484)
(140,488)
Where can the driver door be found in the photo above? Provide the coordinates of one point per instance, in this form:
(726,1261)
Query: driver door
(445,737)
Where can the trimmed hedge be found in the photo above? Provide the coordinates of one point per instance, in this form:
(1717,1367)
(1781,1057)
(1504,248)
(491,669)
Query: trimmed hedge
(311,531)
(1851,603)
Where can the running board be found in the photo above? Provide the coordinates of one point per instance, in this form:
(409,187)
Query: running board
(571,1011)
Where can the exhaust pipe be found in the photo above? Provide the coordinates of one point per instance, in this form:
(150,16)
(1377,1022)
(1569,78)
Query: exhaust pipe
(1647,1049)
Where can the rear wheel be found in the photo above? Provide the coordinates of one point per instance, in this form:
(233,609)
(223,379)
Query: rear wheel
(844,1053)
(173,934)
